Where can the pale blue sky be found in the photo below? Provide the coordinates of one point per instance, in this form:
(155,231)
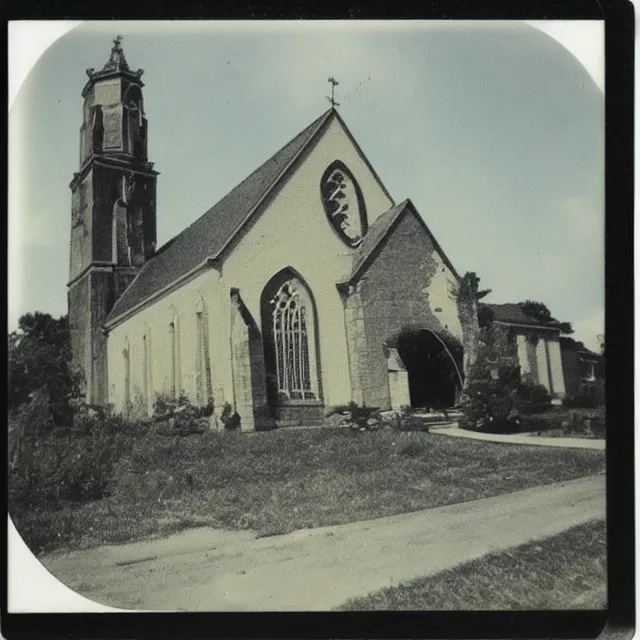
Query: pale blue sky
(493,130)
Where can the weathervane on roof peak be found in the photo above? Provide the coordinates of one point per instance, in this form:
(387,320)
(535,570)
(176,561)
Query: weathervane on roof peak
(331,99)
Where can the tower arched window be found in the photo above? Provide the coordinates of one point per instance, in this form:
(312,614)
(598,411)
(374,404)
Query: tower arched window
(293,336)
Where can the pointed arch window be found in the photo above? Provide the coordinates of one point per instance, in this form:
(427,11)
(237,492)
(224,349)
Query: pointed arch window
(172,343)
(127,376)
(292,331)
(147,386)
(204,385)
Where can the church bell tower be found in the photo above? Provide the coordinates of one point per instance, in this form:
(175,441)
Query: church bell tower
(113,212)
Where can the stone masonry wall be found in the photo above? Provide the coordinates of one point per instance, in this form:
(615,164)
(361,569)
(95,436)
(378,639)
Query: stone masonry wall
(407,284)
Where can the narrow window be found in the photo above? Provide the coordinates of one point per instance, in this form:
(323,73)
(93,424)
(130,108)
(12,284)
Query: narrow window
(127,378)
(204,393)
(147,388)
(174,359)
(145,365)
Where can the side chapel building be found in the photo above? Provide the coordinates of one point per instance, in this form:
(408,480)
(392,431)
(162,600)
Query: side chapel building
(280,300)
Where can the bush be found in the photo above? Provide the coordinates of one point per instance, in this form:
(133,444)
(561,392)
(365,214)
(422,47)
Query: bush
(51,465)
(498,403)
(490,406)
(359,418)
(584,400)
(572,422)
(230,419)
(531,397)
(178,416)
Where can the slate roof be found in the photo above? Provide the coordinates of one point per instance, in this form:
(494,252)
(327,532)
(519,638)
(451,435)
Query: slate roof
(380,229)
(209,234)
(512,314)
(375,233)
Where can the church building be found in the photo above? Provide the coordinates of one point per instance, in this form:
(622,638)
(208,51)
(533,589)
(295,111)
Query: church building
(282,300)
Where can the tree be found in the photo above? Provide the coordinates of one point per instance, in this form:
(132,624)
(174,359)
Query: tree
(39,355)
(540,312)
(468,295)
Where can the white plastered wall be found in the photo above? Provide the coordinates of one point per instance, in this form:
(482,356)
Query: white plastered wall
(154,321)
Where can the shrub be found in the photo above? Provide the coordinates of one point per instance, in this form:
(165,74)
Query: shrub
(230,418)
(575,422)
(531,397)
(584,400)
(357,417)
(65,464)
(497,401)
(490,406)
(178,416)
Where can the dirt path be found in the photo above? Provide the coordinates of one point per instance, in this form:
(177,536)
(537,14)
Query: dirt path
(318,569)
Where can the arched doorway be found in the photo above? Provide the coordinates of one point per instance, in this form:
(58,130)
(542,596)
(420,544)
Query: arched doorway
(289,329)
(434,367)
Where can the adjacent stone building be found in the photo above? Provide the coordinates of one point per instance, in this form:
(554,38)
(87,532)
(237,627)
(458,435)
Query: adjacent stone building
(537,346)
(583,371)
(280,300)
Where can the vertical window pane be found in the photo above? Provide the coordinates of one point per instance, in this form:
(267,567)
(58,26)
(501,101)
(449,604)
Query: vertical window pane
(290,334)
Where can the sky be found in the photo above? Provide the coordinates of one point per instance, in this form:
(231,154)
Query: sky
(494,130)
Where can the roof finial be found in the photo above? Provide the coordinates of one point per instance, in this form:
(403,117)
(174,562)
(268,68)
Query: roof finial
(116,61)
(331,99)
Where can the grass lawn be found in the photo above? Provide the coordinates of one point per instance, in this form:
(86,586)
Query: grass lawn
(279,481)
(567,571)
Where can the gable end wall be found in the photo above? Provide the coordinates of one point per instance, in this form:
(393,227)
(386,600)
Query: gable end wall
(404,286)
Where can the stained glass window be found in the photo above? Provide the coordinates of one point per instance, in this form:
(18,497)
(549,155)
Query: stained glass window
(291,328)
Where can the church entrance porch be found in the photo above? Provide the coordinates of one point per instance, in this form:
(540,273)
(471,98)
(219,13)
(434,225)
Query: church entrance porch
(434,365)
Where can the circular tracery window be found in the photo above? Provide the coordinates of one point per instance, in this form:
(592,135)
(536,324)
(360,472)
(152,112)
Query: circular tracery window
(343,203)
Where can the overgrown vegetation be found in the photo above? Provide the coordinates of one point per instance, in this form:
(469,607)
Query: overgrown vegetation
(497,397)
(178,416)
(39,361)
(134,482)
(82,476)
(567,571)
(580,423)
(540,312)
(361,418)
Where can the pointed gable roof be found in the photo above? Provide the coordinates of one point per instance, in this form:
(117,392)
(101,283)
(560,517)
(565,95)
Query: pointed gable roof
(209,235)
(377,234)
